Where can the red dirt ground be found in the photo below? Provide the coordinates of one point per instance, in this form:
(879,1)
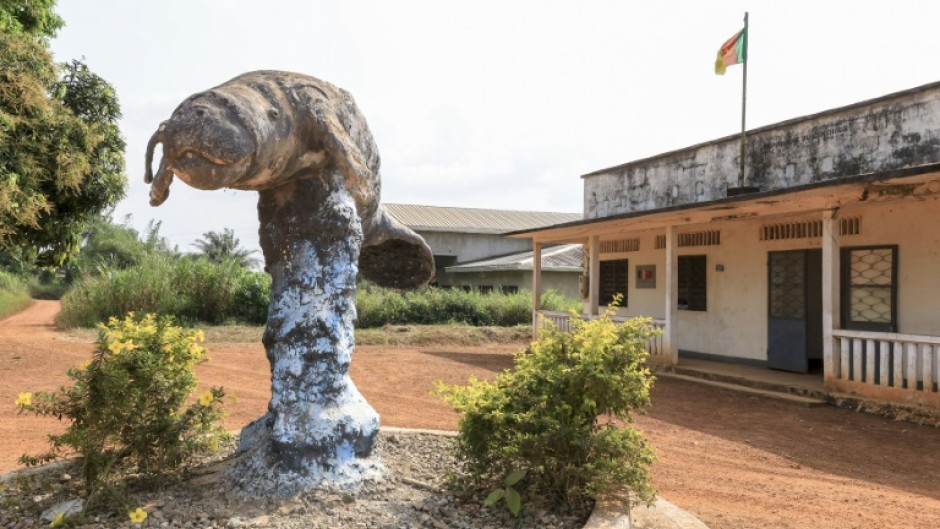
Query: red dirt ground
(735,461)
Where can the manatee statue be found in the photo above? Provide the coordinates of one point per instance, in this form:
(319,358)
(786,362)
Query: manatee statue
(305,147)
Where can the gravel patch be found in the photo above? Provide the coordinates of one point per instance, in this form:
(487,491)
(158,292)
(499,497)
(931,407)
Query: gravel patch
(412,494)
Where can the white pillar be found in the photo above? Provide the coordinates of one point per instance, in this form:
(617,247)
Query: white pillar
(536,286)
(831,310)
(671,277)
(594,284)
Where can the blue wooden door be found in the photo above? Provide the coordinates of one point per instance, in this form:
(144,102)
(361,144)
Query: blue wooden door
(787,312)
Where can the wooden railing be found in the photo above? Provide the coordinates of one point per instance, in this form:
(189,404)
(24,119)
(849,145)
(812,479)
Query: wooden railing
(886,365)
(562,321)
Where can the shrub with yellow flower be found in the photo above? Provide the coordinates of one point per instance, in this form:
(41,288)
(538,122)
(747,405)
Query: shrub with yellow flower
(24,400)
(120,408)
(206,398)
(138,515)
(57,521)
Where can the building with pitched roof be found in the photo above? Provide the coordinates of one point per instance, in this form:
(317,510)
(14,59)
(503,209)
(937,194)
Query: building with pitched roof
(470,250)
(825,260)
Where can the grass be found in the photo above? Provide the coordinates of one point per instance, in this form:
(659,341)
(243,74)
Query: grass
(14,294)
(390,335)
(379,307)
(197,291)
(192,290)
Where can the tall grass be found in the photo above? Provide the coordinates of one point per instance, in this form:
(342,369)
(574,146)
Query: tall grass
(198,290)
(379,306)
(193,290)
(14,294)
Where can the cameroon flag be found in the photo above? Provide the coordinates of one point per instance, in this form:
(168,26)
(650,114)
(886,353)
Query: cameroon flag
(733,51)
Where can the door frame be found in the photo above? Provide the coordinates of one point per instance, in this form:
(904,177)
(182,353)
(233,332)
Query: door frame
(808,299)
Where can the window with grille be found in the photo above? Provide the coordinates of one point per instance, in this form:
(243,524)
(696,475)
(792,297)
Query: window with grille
(613,281)
(692,283)
(695,238)
(509,289)
(869,288)
(807,229)
(620,246)
(700,238)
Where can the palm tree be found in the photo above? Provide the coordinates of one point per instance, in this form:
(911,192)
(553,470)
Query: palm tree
(224,246)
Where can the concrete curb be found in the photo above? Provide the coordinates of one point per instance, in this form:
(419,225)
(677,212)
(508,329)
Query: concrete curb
(9,477)
(663,514)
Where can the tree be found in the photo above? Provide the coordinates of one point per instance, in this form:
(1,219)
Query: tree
(117,246)
(61,153)
(30,17)
(224,246)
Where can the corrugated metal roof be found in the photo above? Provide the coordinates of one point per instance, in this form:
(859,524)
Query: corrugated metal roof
(474,220)
(564,258)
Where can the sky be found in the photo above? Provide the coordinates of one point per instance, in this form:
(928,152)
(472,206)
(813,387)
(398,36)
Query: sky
(495,104)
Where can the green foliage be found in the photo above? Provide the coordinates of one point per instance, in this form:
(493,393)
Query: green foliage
(127,407)
(508,493)
(61,154)
(563,413)
(14,294)
(190,289)
(31,17)
(221,247)
(380,306)
(224,292)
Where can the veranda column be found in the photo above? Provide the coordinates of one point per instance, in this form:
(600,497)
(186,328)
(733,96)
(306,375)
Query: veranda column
(536,286)
(671,332)
(594,249)
(831,309)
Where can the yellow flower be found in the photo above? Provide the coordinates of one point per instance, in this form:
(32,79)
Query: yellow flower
(194,349)
(24,400)
(85,365)
(200,336)
(214,444)
(57,521)
(115,347)
(129,345)
(138,515)
(206,398)
(167,347)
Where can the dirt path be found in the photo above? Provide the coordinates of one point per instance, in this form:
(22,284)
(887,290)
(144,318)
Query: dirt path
(735,461)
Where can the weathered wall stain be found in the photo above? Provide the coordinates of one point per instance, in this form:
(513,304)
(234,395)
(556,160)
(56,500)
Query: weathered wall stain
(896,131)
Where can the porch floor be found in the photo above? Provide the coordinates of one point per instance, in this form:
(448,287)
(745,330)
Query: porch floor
(803,384)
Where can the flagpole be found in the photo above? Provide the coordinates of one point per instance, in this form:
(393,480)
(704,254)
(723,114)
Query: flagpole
(743,107)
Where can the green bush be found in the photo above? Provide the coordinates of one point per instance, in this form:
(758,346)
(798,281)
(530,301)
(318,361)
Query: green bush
(14,294)
(127,407)
(191,289)
(562,415)
(47,286)
(380,306)
(200,290)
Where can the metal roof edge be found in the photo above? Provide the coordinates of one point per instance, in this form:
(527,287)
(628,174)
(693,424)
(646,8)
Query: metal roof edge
(497,268)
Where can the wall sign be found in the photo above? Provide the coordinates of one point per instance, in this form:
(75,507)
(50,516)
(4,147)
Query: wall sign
(646,276)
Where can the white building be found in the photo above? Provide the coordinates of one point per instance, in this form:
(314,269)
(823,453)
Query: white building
(832,263)
(471,252)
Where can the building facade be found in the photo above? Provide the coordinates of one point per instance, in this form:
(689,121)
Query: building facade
(471,252)
(830,265)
